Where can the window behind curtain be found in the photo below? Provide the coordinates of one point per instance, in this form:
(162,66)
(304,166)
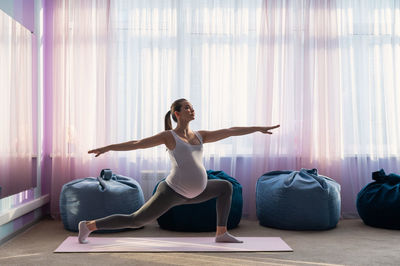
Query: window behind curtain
(205,51)
(369,38)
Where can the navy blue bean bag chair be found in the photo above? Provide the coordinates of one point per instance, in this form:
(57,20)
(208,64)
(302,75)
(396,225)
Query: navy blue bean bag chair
(202,217)
(378,203)
(92,198)
(297,200)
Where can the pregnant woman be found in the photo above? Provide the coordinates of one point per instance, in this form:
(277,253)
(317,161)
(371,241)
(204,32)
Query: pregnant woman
(186,184)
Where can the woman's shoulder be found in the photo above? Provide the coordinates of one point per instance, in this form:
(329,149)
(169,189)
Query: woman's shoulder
(166,133)
(169,138)
(202,132)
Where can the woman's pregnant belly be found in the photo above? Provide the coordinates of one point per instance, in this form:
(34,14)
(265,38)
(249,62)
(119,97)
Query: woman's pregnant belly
(189,181)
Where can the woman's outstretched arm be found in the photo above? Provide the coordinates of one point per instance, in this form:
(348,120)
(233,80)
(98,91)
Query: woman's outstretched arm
(212,136)
(160,138)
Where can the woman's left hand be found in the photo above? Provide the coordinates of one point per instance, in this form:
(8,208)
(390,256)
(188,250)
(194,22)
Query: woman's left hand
(266,130)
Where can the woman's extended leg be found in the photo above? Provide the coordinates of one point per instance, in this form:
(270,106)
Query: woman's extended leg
(222,190)
(164,199)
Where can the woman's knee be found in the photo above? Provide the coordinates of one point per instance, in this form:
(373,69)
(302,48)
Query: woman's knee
(137,220)
(227,186)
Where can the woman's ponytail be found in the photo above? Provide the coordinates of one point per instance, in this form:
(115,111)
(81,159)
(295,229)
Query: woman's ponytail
(176,106)
(167,121)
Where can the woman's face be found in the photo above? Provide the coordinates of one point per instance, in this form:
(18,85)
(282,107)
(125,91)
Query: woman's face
(187,112)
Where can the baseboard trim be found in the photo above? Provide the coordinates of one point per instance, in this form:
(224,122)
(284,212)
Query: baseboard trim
(22,229)
(14,213)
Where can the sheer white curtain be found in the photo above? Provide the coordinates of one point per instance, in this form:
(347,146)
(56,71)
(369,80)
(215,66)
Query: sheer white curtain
(324,70)
(369,44)
(16,132)
(79,116)
(118,66)
(327,75)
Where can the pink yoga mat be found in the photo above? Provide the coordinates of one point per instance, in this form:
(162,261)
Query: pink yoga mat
(171,244)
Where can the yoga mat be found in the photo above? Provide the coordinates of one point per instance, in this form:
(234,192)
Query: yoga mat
(171,244)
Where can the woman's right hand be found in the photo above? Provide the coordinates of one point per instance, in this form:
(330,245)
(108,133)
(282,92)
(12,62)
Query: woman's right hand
(99,151)
(266,130)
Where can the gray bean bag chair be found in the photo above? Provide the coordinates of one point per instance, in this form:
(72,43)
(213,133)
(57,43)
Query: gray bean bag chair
(96,197)
(297,200)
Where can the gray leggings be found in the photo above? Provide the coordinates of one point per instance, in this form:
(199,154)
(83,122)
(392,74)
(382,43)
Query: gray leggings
(166,198)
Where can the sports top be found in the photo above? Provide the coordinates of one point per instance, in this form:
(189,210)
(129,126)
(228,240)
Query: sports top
(188,176)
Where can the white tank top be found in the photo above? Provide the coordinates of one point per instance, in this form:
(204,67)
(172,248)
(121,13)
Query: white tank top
(188,176)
